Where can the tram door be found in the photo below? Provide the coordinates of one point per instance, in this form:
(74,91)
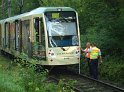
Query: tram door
(39,44)
(19,38)
(18,35)
(26,44)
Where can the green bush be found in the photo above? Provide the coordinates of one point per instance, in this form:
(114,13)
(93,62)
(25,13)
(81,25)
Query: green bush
(111,69)
(16,77)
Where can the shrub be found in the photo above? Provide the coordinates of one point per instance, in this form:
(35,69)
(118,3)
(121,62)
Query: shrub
(111,69)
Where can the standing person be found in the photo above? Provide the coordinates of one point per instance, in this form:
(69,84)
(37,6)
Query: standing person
(95,54)
(87,56)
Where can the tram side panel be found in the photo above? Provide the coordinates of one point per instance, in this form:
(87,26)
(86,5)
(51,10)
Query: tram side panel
(0,36)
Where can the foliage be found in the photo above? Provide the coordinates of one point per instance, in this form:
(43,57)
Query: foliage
(103,26)
(84,66)
(101,21)
(15,77)
(17,7)
(111,69)
(65,87)
(7,82)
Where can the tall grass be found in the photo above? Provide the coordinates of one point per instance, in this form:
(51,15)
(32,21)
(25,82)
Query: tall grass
(14,77)
(7,80)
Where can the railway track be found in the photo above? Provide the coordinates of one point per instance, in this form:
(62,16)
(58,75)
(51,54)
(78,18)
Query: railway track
(115,88)
(83,83)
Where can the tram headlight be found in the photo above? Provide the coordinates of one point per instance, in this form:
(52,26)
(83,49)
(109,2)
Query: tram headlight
(51,53)
(77,52)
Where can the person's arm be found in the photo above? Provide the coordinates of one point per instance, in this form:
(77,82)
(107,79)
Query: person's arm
(83,50)
(100,57)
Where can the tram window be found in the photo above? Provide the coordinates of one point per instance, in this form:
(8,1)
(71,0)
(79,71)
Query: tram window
(7,37)
(12,35)
(62,29)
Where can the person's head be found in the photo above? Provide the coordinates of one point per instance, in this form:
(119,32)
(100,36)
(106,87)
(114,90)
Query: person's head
(88,44)
(94,44)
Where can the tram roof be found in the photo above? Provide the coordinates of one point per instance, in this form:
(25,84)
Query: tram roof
(39,10)
(44,9)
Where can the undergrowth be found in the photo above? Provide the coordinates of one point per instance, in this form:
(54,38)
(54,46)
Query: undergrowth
(111,69)
(20,76)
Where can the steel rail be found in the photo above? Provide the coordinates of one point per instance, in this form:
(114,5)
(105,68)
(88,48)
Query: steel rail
(103,83)
(99,81)
(74,88)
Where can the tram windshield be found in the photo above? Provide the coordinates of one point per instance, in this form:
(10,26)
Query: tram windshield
(62,29)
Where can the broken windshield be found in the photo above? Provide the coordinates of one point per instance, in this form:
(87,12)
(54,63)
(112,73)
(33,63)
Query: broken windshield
(62,29)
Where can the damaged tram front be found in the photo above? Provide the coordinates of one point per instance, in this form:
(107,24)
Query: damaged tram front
(62,37)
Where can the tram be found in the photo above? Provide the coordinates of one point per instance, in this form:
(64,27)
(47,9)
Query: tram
(49,34)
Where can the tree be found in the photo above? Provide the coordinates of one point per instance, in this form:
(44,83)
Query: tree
(3,8)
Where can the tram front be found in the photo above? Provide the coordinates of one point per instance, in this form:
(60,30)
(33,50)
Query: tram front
(63,38)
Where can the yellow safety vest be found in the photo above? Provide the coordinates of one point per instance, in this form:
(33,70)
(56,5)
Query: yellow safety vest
(94,53)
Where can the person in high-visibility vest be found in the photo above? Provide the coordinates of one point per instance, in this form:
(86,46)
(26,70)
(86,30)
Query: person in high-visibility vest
(87,56)
(95,54)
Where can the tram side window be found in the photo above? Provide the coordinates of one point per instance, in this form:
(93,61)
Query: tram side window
(7,29)
(36,26)
(12,35)
(17,29)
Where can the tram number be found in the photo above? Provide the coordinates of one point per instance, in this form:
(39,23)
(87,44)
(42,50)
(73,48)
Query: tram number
(66,58)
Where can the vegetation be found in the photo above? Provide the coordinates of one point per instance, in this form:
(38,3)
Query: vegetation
(101,21)
(14,77)
(111,70)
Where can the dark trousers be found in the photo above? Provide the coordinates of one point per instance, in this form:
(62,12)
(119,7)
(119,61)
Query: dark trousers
(89,65)
(94,68)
